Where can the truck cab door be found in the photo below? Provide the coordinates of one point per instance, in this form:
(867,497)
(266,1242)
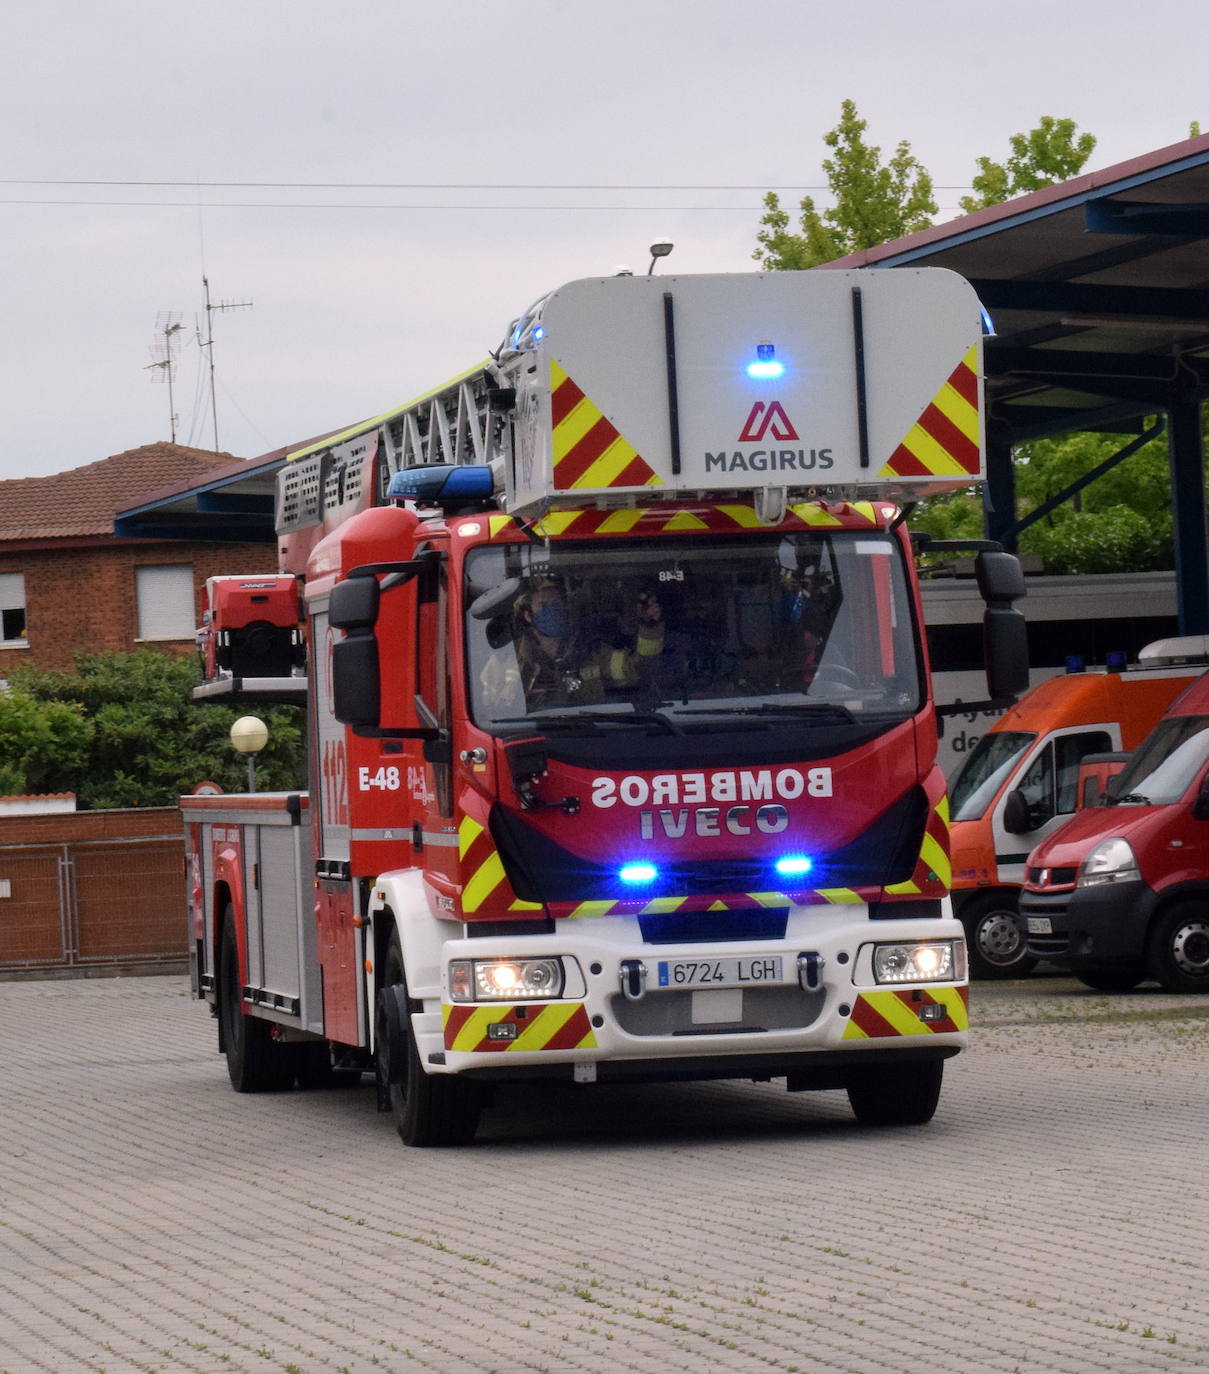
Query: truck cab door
(1045,795)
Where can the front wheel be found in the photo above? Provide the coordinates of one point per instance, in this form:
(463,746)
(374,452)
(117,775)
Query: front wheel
(429,1109)
(994,938)
(895,1094)
(1179,948)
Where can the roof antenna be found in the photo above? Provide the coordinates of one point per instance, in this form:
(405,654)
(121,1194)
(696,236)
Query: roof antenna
(208,342)
(163,356)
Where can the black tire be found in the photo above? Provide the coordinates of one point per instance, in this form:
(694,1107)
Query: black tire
(994,939)
(1178,953)
(256,1063)
(429,1109)
(1124,978)
(896,1094)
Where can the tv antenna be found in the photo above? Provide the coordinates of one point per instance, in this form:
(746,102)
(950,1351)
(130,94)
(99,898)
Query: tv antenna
(208,343)
(163,357)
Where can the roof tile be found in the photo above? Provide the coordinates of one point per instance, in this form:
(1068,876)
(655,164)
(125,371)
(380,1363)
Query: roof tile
(83,500)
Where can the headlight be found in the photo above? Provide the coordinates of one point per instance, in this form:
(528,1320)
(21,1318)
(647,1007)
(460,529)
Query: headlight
(504,980)
(1110,862)
(934,962)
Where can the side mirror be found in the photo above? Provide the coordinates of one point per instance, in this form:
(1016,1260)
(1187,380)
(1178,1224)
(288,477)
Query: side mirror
(1004,629)
(376,667)
(353,604)
(1200,807)
(1016,818)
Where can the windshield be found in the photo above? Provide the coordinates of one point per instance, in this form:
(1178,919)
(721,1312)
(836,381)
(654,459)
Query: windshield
(802,625)
(982,774)
(1165,762)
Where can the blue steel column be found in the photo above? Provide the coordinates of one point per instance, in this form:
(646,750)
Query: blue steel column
(1186,456)
(999,494)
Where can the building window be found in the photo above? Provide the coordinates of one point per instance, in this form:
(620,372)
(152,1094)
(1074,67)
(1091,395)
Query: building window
(165,601)
(12,610)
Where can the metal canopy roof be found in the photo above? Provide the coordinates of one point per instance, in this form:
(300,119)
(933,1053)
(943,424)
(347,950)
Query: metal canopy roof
(1098,293)
(1098,290)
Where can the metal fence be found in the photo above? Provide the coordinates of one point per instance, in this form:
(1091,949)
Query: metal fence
(87,905)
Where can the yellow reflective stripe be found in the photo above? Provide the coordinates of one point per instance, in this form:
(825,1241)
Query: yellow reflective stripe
(538,1032)
(684,520)
(768,898)
(812,515)
(903,1016)
(474,1028)
(620,521)
(955,408)
(838,895)
(933,854)
(489,876)
(573,428)
(468,831)
(662,904)
(920,444)
(907,889)
(592,909)
(496,524)
(556,522)
(741,515)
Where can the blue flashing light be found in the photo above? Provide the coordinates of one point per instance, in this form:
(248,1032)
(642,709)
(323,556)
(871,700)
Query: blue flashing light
(793,865)
(988,324)
(766,364)
(638,874)
(539,334)
(441,483)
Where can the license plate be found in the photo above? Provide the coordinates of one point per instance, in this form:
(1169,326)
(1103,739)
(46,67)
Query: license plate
(720,973)
(1040,925)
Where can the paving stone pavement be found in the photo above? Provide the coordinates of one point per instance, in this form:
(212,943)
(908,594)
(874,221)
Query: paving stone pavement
(1051,1218)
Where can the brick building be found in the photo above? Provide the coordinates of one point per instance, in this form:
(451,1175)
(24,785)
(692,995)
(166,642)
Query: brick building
(68,583)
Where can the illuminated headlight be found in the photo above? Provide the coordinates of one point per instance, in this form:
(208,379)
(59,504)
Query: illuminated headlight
(504,980)
(1110,862)
(934,962)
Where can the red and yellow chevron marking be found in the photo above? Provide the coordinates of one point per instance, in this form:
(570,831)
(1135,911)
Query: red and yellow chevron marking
(724,519)
(486,891)
(895,1011)
(588,450)
(539,1026)
(943,442)
(933,874)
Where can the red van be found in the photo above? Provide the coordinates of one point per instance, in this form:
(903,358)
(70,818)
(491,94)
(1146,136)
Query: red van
(1120,893)
(1022,782)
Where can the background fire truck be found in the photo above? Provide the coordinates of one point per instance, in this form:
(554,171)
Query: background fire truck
(623,750)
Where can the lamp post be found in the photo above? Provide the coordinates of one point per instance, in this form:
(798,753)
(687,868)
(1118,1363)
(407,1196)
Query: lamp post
(249,735)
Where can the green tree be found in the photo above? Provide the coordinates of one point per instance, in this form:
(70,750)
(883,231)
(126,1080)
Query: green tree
(874,202)
(1051,152)
(147,741)
(40,742)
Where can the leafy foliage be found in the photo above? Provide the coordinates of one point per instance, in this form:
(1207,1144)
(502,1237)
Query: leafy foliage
(873,202)
(39,742)
(1049,153)
(122,730)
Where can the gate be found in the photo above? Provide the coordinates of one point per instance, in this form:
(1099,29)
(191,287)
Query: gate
(88,902)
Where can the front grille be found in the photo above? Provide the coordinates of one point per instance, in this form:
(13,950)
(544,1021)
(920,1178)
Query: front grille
(1057,877)
(670,1012)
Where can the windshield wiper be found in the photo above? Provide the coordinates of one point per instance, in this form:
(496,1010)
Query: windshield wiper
(1133,798)
(821,712)
(604,717)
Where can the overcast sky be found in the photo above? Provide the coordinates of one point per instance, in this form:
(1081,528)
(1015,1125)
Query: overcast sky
(456,135)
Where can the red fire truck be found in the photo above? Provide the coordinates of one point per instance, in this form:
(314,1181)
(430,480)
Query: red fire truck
(623,747)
